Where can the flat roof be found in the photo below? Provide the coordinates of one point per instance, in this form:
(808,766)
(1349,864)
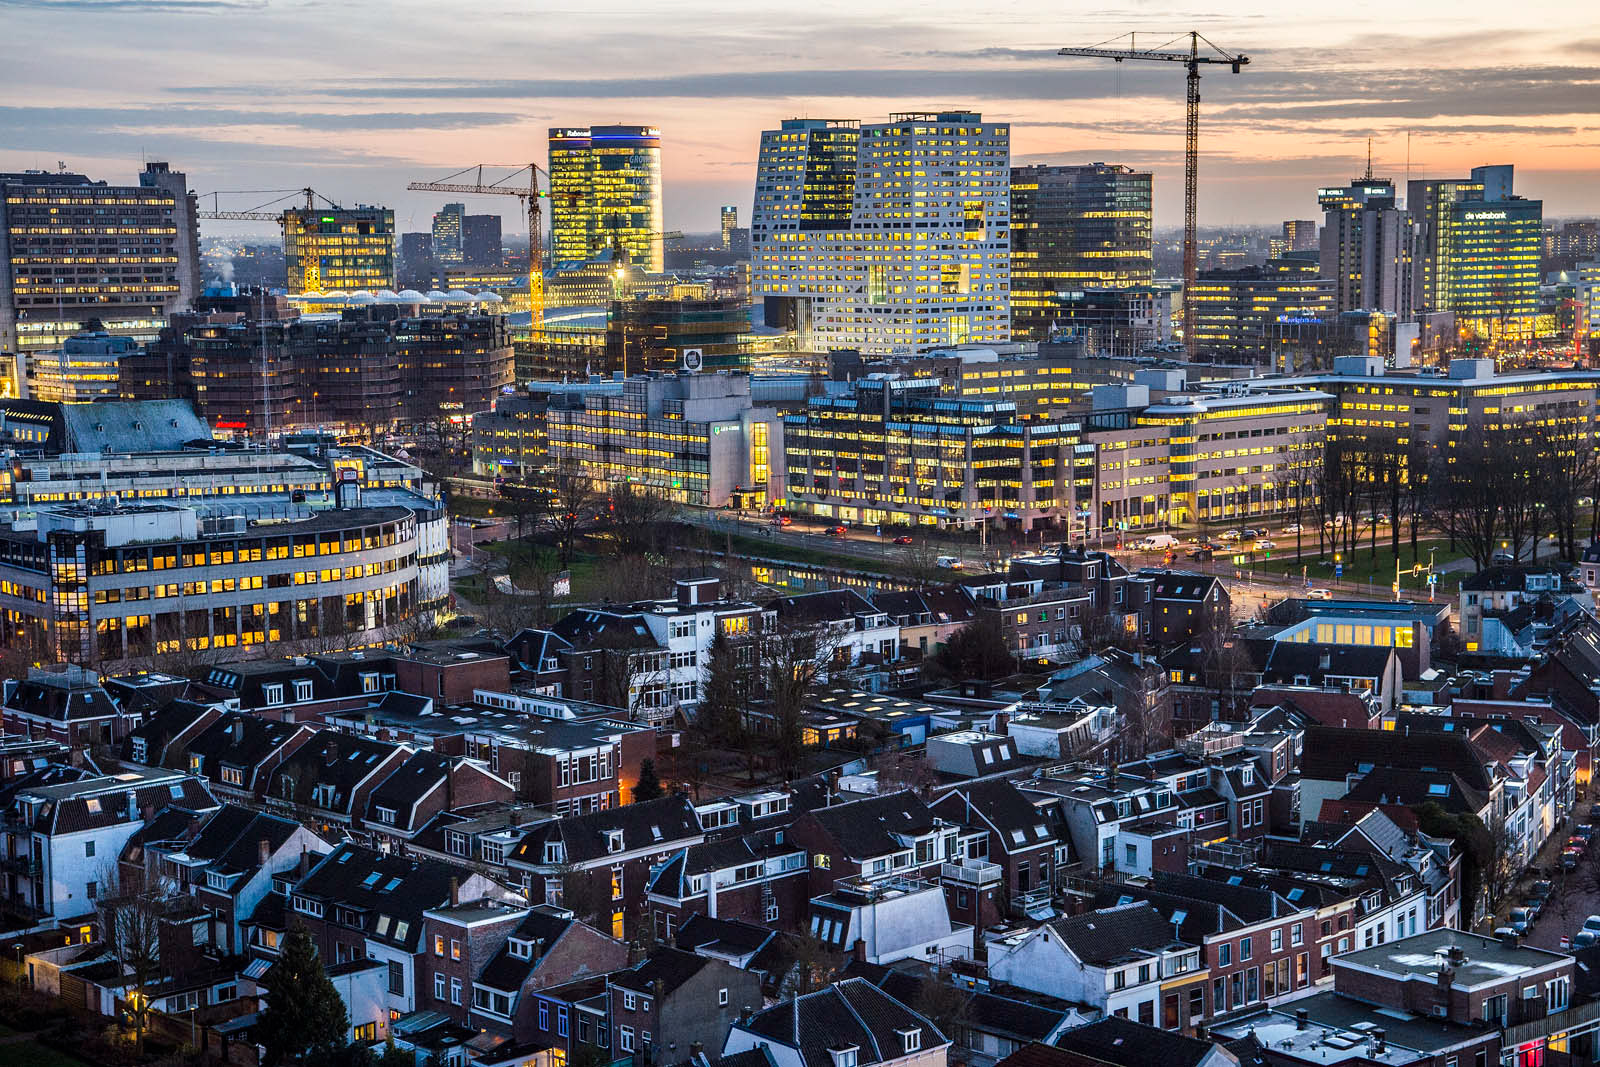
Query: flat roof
(1487,959)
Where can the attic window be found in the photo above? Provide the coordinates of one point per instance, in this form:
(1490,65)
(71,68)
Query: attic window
(911,1039)
(844,1057)
(614,840)
(1438,789)
(390,886)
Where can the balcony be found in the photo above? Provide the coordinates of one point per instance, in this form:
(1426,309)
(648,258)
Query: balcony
(978,874)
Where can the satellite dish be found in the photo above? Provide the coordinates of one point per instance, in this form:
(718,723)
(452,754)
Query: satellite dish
(693,359)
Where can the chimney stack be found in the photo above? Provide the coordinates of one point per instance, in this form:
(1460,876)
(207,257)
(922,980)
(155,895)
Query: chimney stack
(1301,1017)
(263,851)
(455,893)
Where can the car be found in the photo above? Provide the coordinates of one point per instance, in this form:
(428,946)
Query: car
(1264,545)
(1520,920)
(1584,830)
(1292,529)
(1541,890)
(1594,811)
(1504,932)
(785,520)
(838,531)
(1233,535)
(1535,906)
(949,563)
(1576,844)
(904,539)
(1502,559)
(1591,925)
(1251,531)
(1200,554)
(1584,938)
(1319,594)
(1569,861)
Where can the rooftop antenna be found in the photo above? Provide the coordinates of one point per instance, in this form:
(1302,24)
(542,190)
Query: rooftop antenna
(1408,164)
(1369,158)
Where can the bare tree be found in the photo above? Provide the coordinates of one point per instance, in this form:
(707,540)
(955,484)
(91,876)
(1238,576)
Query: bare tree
(570,501)
(132,930)
(638,515)
(795,661)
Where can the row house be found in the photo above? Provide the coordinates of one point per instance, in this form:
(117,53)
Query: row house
(760,877)
(1334,760)
(236,752)
(62,839)
(1096,808)
(673,1003)
(1036,620)
(856,633)
(1217,795)
(363,904)
(1393,833)
(927,617)
(226,860)
(424,785)
(851,1023)
(481,839)
(561,754)
(1116,961)
(882,920)
(614,851)
(1016,835)
(892,834)
(330,779)
(69,706)
(163,738)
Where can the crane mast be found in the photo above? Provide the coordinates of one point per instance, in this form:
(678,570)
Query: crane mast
(1191,59)
(530,199)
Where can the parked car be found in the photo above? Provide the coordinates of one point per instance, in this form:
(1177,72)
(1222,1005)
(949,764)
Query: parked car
(1584,830)
(1569,861)
(904,539)
(1591,925)
(1520,920)
(1584,938)
(1541,890)
(1319,594)
(949,563)
(1535,907)
(1576,844)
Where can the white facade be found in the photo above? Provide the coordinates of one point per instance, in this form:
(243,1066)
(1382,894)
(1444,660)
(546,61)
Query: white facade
(925,258)
(1040,961)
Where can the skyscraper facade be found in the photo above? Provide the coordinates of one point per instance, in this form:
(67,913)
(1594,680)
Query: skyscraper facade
(1478,249)
(730,222)
(449,228)
(480,241)
(605,189)
(72,249)
(342,249)
(889,238)
(1073,229)
(1299,235)
(1366,247)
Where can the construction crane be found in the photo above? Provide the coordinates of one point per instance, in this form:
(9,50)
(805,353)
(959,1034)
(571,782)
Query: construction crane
(1191,156)
(530,202)
(256,214)
(652,236)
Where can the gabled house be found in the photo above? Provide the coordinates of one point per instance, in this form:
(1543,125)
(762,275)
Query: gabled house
(238,752)
(673,1002)
(426,784)
(69,706)
(330,778)
(891,834)
(612,850)
(760,877)
(1016,835)
(848,1024)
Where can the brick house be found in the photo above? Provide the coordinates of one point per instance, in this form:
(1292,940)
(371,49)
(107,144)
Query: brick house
(851,1023)
(1014,834)
(236,752)
(424,785)
(69,706)
(674,1003)
(546,948)
(330,779)
(612,850)
(892,834)
(758,878)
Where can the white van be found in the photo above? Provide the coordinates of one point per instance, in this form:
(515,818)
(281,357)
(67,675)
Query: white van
(1155,542)
(949,563)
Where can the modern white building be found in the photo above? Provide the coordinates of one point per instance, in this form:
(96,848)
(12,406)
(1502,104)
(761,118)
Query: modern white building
(921,257)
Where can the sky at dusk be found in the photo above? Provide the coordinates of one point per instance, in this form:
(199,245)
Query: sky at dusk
(355,98)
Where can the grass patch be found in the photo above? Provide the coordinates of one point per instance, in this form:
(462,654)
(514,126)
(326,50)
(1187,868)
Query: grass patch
(34,1054)
(1360,568)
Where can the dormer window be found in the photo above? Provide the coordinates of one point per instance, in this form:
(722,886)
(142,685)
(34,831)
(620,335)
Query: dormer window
(613,840)
(553,852)
(272,695)
(911,1040)
(302,689)
(844,1057)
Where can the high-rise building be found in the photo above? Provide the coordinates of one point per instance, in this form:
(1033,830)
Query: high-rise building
(1366,247)
(1478,251)
(343,249)
(730,222)
(1299,235)
(1240,315)
(449,228)
(480,241)
(417,267)
(85,368)
(1072,229)
(605,189)
(889,238)
(72,249)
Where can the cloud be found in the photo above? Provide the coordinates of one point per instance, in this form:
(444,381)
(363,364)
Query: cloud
(19,120)
(142,7)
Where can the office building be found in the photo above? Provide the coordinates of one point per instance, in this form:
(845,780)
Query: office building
(1113,322)
(605,189)
(480,241)
(1239,315)
(416,268)
(373,369)
(134,533)
(1366,247)
(696,438)
(72,249)
(889,238)
(1299,235)
(339,249)
(677,335)
(449,235)
(1478,248)
(897,450)
(1075,229)
(85,368)
(1588,299)
(730,222)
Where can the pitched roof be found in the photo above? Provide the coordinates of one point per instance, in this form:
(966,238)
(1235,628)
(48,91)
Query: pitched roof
(852,1013)
(662,823)
(1115,933)
(1333,753)
(1019,824)
(1129,1044)
(388,892)
(865,828)
(670,967)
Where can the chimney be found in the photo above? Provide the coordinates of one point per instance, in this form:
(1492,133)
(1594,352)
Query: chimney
(859,950)
(455,893)
(263,851)
(238,730)
(1001,721)
(1301,1017)
(745,1013)
(1377,1041)
(331,754)
(1510,939)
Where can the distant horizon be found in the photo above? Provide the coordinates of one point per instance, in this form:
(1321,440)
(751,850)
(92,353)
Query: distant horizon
(241,94)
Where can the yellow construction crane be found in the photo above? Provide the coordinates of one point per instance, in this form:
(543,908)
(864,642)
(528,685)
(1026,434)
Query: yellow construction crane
(1191,157)
(530,198)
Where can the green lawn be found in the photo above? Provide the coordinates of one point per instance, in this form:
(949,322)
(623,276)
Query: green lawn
(1359,567)
(36,1055)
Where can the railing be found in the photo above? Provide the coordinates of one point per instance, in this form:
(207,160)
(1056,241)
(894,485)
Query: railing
(971,872)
